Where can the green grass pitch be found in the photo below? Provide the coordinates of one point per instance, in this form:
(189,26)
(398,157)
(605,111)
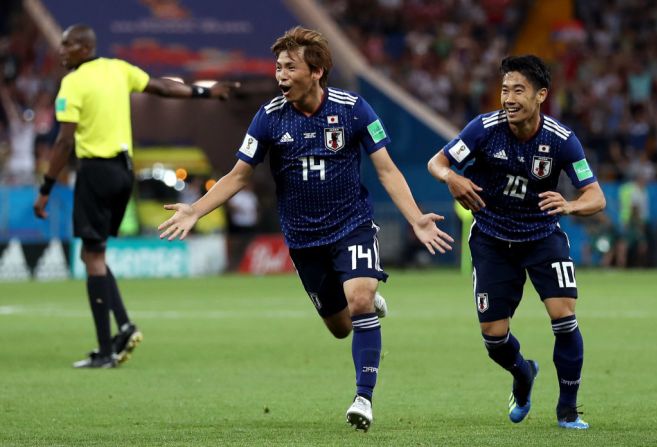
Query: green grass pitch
(236,360)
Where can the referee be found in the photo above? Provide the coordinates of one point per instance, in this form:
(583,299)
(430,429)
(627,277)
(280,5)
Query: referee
(93,109)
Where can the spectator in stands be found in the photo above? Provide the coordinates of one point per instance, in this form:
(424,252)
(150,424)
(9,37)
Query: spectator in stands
(19,168)
(242,222)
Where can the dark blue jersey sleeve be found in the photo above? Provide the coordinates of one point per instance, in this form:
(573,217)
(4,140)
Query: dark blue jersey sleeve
(373,134)
(462,149)
(256,141)
(575,164)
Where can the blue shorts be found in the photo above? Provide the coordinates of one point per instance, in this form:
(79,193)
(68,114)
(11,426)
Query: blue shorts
(324,269)
(500,266)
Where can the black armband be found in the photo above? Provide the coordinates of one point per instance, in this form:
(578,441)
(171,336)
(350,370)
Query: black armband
(46,187)
(200,92)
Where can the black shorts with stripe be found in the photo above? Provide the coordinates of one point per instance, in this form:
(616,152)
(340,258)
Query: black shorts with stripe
(324,269)
(102,191)
(501,268)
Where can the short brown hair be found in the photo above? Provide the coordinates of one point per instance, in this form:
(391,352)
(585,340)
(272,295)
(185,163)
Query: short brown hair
(316,50)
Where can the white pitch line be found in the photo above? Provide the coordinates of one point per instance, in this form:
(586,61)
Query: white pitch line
(160,315)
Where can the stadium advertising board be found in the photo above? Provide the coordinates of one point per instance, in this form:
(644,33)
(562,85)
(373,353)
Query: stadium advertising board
(150,257)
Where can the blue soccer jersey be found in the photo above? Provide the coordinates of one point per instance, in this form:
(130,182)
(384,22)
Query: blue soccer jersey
(512,173)
(315,162)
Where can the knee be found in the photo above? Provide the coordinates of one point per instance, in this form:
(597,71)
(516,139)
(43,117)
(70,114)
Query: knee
(499,328)
(361,302)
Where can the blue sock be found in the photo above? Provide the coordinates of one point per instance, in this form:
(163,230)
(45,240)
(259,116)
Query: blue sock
(568,358)
(505,351)
(366,351)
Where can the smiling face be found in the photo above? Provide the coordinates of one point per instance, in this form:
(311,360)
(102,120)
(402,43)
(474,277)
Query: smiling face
(298,83)
(520,99)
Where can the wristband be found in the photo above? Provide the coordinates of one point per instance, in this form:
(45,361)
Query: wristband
(46,187)
(200,92)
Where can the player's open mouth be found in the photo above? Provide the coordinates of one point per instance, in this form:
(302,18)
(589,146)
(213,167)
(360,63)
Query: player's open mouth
(512,110)
(285,89)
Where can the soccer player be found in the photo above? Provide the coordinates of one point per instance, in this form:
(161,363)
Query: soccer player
(512,159)
(93,109)
(314,135)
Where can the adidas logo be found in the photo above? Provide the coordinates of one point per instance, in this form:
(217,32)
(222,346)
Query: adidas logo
(13,266)
(501,155)
(52,264)
(287,138)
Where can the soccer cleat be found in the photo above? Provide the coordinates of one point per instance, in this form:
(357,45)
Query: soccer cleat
(568,417)
(518,413)
(359,414)
(95,360)
(380,306)
(126,341)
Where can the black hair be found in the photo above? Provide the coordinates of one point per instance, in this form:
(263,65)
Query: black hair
(530,66)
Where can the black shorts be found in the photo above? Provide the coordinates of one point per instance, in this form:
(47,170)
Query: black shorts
(324,269)
(500,269)
(102,191)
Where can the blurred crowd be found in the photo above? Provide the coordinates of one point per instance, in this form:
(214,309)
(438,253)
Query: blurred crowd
(604,71)
(447,54)
(28,81)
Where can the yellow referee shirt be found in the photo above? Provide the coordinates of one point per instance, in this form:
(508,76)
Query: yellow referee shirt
(96,96)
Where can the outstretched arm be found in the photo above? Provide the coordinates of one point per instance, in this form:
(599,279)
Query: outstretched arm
(174,89)
(461,188)
(591,200)
(60,155)
(424,225)
(186,216)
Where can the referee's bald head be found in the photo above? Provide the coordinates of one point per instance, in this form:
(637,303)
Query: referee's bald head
(82,34)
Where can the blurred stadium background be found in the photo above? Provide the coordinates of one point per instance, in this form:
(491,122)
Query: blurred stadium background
(427,67)
(204,376)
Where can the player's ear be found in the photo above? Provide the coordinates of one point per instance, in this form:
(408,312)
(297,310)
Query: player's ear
(541,95)
(317,73)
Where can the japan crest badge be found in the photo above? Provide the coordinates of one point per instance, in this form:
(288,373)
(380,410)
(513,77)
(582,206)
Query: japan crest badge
(334,138)
(482,302)
(541,166)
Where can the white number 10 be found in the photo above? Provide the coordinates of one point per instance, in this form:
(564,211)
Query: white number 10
(565,273)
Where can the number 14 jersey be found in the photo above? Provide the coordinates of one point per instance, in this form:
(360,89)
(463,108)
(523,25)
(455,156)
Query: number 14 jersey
(315,162)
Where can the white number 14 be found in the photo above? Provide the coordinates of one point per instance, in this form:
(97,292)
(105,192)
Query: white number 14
(357,252)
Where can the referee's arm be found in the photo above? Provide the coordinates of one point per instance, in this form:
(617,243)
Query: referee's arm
(61,152)
(173,89)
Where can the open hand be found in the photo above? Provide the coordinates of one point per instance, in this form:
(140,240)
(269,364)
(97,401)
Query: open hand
(180,224)
(430,235)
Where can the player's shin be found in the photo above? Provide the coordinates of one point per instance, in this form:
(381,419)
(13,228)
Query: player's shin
(568,358)
(116,303)
(505,351)
(366,352)
(99,291)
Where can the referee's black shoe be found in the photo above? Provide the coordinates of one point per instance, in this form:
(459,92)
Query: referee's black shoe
(126,341)
(95,360)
